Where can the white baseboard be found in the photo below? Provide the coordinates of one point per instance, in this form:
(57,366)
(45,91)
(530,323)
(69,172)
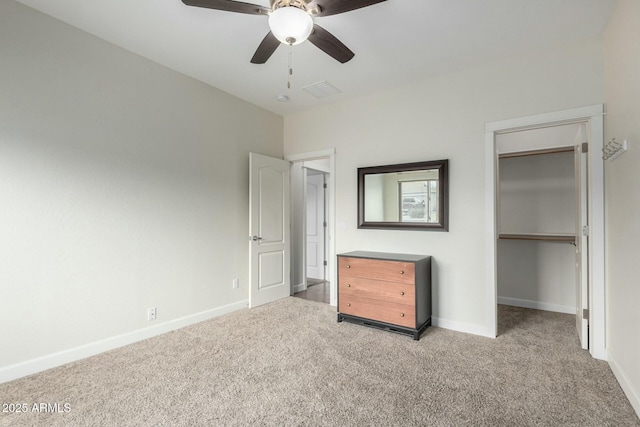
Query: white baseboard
(632,394)
(43,363)
(538,305)
(461,327)
(299,288)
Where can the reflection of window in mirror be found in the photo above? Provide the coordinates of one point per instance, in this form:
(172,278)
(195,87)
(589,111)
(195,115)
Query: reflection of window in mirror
(419,201)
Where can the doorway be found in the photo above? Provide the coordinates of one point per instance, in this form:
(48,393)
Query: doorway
(315,283)
(594,247)
(316,224)
(312,226)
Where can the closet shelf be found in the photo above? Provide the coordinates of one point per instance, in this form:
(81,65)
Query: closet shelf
(549,237)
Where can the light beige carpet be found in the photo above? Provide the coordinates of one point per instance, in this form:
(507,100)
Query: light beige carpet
(290,363)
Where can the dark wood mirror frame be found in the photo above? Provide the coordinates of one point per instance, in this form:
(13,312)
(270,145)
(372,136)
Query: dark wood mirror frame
(442,166)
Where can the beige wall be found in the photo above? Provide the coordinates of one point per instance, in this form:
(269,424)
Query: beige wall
(444,118)
(123,185)
(622,178)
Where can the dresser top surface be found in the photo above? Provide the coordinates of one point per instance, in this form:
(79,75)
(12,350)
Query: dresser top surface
(385,256)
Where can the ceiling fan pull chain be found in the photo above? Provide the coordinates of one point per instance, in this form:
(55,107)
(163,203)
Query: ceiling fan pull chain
(290,76)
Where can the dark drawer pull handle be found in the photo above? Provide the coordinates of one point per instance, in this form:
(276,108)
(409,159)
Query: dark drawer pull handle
(401,271)
(401,292)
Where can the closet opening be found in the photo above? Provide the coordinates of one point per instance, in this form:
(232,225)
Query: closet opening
(591,122)
(542,206)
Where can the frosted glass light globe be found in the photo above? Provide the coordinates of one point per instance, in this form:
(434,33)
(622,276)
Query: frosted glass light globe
(290,25)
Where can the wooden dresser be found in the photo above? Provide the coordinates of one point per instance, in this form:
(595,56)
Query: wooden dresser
(386,291)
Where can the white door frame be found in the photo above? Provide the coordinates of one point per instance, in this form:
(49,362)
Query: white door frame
(331,186)
(593,115)
(581,169)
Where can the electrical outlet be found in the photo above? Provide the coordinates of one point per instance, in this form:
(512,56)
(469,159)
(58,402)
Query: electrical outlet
(236,283)
(151,313)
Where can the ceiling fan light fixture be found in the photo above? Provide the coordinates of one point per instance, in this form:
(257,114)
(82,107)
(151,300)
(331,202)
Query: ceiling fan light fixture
(290,25)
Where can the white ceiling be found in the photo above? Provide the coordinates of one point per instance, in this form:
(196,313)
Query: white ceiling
(395,42)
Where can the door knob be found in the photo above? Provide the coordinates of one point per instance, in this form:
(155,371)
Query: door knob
(255,238)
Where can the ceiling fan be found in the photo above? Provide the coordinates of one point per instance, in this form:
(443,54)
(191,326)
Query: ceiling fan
(291,23)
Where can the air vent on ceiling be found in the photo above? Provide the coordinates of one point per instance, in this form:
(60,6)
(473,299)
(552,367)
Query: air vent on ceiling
(321,89)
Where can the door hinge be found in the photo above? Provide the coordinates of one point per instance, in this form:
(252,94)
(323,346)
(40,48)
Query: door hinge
(325,263)
(585,230)
(585,313)
(585,147)
(324,224)
(324,185)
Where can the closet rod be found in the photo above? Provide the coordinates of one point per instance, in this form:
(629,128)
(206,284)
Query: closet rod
(554,150)
(569,238)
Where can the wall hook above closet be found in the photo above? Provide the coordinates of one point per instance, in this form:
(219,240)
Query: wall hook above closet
(613,149)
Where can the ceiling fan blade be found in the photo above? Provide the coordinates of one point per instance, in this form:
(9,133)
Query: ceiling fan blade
(334,7)
(229,6)
(330,45)
(269,45)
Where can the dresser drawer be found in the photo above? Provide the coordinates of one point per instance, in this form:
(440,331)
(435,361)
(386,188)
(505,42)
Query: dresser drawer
(391,271)
(401,293)
(397,314)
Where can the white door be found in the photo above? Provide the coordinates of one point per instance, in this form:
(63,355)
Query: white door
(269,229)
(582,256)
(315,225)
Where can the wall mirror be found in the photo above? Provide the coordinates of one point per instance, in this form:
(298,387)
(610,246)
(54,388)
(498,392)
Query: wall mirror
(410,196)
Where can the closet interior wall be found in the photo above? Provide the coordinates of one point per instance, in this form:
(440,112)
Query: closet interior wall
(537,218)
